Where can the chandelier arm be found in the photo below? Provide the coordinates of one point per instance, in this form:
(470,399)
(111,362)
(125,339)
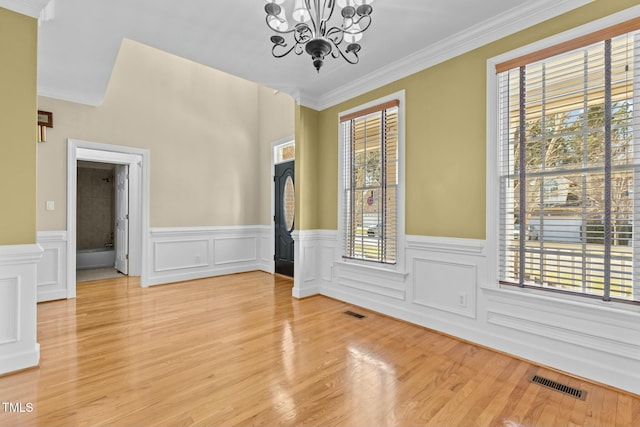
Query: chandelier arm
(313,17)
(322,25)
(288,51)
(336,35)
(276,30)
(331,7)
(367,19)
(353,60)
(354,22)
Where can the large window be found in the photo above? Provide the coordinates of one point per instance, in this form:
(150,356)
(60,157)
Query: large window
(569,167)
(370,175)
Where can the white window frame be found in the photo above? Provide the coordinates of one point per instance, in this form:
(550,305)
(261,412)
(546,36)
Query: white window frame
(492,162)
(399,266)
(279,145)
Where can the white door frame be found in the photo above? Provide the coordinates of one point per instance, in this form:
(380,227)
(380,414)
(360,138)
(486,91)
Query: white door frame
(138,161)
(272,238)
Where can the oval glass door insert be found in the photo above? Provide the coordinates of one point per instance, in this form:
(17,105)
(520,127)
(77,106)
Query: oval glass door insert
(289,203)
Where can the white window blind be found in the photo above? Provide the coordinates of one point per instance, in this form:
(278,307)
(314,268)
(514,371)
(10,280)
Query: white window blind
(569,170)
(370,164)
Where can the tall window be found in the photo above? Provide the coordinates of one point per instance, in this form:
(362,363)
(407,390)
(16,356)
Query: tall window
(370,183)
(569,167)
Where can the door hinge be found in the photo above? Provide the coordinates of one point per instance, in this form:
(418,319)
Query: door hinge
(126,257)
(126,216)
(274,178)
(274,218)
(274,257)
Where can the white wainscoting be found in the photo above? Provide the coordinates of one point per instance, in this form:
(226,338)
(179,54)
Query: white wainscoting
(18,318)
(188,253)
(52,268)
(444,288)
(314,252)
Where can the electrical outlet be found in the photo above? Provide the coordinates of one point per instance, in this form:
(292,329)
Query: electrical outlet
(50,205)
(462,299)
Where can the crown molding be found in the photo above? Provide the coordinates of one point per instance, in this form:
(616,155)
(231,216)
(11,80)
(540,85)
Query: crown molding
(30,8)
(503,25)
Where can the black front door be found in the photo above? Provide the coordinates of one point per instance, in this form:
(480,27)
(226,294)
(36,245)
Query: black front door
(284,218)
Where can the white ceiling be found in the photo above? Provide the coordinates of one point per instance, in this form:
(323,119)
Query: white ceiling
(78,47)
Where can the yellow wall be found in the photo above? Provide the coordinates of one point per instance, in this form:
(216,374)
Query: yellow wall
(445,135)
(18,129)
(307,174)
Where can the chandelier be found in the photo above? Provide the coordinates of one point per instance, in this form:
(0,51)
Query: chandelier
(317,29)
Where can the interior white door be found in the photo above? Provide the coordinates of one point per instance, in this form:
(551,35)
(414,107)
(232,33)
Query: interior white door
(122,219)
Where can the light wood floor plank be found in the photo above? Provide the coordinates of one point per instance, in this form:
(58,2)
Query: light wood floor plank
(239,350)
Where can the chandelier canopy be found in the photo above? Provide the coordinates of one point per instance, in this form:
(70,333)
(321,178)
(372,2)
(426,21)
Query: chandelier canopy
(319,27)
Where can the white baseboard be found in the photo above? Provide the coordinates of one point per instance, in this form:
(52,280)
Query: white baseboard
(21,360)
(188,253)
(444,289)
(18,315)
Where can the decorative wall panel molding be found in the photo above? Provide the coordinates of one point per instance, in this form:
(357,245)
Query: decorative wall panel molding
(18,319)
(9,307)
(52,268)
(305,264)
(181,254)
(266,249)
(188,253)
(378,281)
(567,332)
(231,250)
(445,285)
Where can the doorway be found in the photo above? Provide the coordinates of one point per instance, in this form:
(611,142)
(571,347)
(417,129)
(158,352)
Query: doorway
(102,207)
(283,205)
(133,165)
(284,218)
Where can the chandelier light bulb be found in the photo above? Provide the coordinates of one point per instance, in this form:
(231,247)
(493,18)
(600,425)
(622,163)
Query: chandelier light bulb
(278,22)
(354,3)
(300,12)
(345,3)
(353,34)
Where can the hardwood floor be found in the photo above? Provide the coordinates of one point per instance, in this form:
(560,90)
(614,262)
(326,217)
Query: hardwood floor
(239,350)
